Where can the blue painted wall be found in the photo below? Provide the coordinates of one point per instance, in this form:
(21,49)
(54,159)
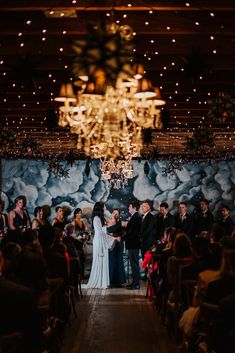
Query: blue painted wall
(215,181)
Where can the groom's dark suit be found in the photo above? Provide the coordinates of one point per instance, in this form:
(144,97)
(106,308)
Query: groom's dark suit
(147,232)
(132,239)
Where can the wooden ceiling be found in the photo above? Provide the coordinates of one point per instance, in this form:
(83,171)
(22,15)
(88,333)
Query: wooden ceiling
(188,49)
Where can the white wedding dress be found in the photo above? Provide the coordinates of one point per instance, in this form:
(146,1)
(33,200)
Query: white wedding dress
(102,242)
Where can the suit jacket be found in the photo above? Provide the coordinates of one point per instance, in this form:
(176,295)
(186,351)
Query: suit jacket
(148,231)
(163,223)
(186,225)
(132,236)
(203,222)
(228,225)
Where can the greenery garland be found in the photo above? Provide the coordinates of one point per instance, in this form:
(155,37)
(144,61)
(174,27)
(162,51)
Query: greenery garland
(107,49)
(221,108)
(201,141)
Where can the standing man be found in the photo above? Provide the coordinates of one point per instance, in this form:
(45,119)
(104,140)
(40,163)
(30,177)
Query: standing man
(148,228)
(226,221)
(164,220)
(183,221)
(204,219)
(132,239)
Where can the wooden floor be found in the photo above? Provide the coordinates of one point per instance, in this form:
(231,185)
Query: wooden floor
(116,321)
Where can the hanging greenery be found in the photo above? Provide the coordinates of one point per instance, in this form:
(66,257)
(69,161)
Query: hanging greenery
(146,168)
(8,140)
(172,166)
(221,108)
(201,141)
(28,144)
(58,169)
(107,49)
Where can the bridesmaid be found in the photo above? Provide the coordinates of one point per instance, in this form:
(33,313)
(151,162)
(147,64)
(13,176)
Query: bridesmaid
(38,222)
(19,217)
(59,220)
(79,227)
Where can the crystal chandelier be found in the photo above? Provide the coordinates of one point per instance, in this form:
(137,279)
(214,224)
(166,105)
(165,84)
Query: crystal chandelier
(116,172)
(112,106)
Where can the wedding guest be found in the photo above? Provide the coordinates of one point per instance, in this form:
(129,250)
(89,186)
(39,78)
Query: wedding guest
(225,285)
(102,242)
(147,229)
(132,241)
(19,313)
(18,217)
(226,221)
(184,221)
(204,219)
(3,221)
(116,263)
(164,220)
(59,220)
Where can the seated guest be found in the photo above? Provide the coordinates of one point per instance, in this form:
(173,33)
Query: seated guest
(184,221)
(204,218)
(226,221)
(19,217)
(225,285)
(19,313)
(164,220)
(31,267)
(182,255)
(201,259)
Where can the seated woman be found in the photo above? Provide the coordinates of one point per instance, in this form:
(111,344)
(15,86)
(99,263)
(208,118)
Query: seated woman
(225,285)
(182,250)
(19,217)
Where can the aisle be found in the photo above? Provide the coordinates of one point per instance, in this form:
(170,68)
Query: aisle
(116,321)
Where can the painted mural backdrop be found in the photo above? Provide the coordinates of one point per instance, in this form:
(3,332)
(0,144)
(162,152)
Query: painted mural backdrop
(214,181)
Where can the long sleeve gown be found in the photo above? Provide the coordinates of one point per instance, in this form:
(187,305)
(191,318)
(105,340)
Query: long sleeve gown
(102,242)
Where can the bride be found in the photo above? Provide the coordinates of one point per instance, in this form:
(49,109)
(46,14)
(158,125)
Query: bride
(102,242)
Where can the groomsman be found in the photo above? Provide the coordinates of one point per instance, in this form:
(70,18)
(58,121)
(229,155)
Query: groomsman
(204,219)
(164,220)
(226,221)
(183,221)
(148,228)
(132,240)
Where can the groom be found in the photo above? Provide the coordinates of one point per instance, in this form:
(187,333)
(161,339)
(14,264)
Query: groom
(132,239)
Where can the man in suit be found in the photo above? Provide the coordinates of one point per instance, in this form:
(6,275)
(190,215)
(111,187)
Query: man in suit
(183,221)
(164,220)
(19,313)
(204,219)
(132,240)
(226,221)
(148,228)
